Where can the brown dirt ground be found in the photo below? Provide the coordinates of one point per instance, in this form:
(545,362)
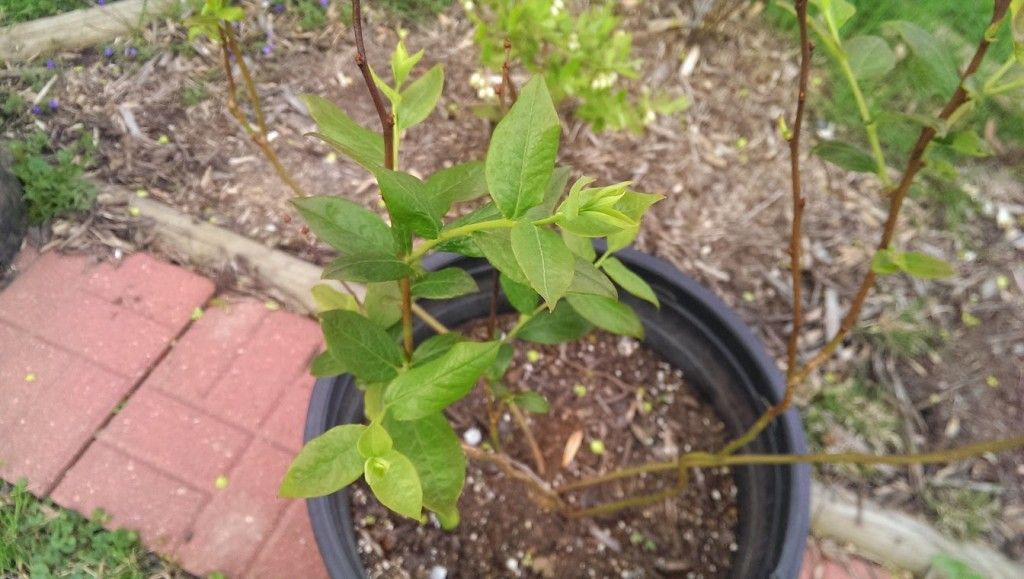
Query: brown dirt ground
(725,219)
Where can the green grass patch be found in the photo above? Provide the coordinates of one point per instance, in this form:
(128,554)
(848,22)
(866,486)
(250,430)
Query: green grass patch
(40,539)
(53,183)
(415,9)
(14,11)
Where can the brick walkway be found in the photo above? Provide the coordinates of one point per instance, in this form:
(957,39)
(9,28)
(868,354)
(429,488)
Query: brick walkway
(113,396)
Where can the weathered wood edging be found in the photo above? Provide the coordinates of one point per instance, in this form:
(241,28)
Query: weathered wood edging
(77,29)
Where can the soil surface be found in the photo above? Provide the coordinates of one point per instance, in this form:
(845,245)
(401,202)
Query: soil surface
(640,409)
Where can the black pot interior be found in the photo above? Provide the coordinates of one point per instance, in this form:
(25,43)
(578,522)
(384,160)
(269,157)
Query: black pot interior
(694,332)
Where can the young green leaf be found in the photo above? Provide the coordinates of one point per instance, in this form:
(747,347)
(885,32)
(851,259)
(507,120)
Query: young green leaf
(589,280)
(969,143)
(463,182)
(562,324)
(628,280)
(845,155)
(836,13)
(553,193)
(598,223)
(407,200)
(419,98)
(327,298)
(383,303)
(633,205)
(374,441)
(522,152)
(914,263)
(396,484)
(521,296)
(607,314)
(360,144)
(869,57)
(886,262)
(344,225)
(326,365)
(435,347)
(367,266)
(435,452)
(433,386)
(446,283)
(373,401)
(402,62)
(362,347)
(498,368)
(496,246)
(544,259)
(530,401)
(393,95)
(326,464)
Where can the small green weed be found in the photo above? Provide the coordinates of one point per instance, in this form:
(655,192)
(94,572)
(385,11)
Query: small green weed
(852,413)
(907,333)
(963,513)
(53,184)
(39,539)
(14,11)
(415,9)
(194,93)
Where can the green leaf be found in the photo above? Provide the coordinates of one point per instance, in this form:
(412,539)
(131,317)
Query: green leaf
(393,96)
(407,200)
(521,296)
(326,365)
(633,205)
(435,452)
(344,225)
(373,401)
(598,223)
(362,347)
(628,280)
(579,245)
(367,266)
(836,13)
(562,324)
(402,62)
(521,156)
(608,314)
(934,58)
(846,156)
(360,144)
(941,127)
(463,182)
(501,362)
(531,401)
(544,258)
(925,266)
(553,193)
(589,280)
(396,484)
(435,347)
(916,264)
(446,283)
(948,567)
(1017,28)
(326,464)
(327,298)
(969,143)
(374,441)
(433,386)
(383,303)
(420,98)
(496,246)
(869,57)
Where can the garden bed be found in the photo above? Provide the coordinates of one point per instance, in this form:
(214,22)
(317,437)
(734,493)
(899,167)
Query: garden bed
(158,114)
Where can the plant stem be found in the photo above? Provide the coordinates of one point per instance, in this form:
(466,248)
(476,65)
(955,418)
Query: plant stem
(460,231)
(229,49)
(538,456)
(546,496)
(998,75)
(705,459)
(997,90)
(428,319)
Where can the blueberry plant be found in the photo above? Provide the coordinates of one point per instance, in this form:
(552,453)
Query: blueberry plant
(537,233)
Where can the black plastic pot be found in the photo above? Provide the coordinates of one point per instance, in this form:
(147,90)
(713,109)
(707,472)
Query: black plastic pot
(13,219)
(695,332)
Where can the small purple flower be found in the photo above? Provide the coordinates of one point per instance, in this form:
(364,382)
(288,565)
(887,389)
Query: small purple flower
(325,3)
(131,52)
(37,110)
(267,49)
(50,64)
(279,8)
(54,104)
(101,2)
(108,52)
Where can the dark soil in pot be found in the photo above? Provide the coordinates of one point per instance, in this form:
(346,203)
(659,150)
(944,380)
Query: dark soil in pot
(639,409)
(728,371)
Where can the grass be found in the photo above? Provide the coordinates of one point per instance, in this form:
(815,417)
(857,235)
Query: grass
(14,11)
(414,9)
(958,26)
(39,539)
(53,184)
